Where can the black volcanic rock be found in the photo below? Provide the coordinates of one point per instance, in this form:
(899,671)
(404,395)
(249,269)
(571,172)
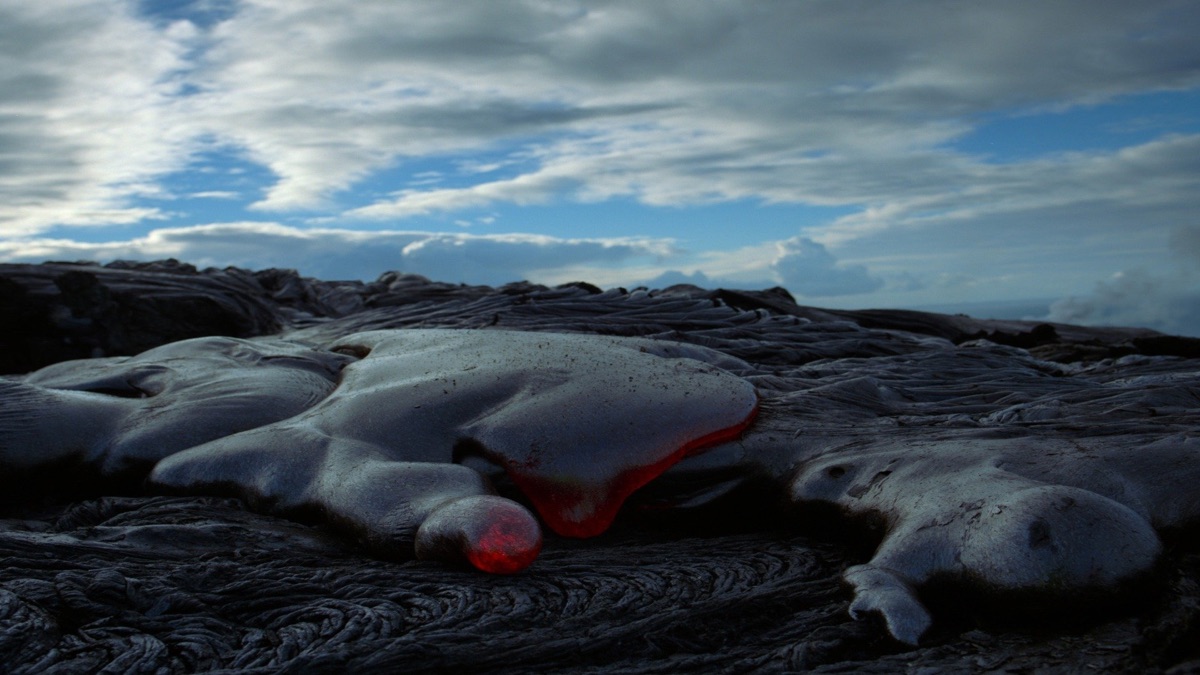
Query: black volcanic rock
(74,311)
(60,311)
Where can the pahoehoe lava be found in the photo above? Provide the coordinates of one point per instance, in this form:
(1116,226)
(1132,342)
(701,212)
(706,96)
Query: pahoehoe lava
(857,400)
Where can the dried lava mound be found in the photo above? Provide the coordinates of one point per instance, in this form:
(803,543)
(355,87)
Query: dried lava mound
(145,583)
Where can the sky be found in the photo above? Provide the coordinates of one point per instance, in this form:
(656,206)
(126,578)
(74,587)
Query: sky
(1023,159)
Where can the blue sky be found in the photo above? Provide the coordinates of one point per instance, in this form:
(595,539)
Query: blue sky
(1024,159)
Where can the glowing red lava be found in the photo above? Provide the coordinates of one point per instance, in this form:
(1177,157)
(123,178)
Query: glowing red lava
(577,509)
(507,540)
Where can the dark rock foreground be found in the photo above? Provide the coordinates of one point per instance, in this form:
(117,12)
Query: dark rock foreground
(131,583)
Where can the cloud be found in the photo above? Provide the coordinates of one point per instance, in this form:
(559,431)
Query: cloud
(1083,190)
(355,254)
(806,268)
(88,113)
(825,102)
(727,113)
(675,277)
(536,188)
(439,110)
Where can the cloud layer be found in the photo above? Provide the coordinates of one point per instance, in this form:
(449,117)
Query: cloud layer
(357,254)
(809,269)
(859,105)
(840,102)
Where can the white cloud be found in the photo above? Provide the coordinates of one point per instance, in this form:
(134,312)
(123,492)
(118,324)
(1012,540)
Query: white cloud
(88,113)
(807,269)
(356,254)
(821,102)
(804,267)
(536,188)
(824,102)
(675,277)
(818,102)
(1154,182)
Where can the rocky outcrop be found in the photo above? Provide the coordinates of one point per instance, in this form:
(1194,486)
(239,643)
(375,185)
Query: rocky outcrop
(59,311)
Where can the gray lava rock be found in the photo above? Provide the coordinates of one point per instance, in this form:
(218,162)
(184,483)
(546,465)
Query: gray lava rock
(152,583)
